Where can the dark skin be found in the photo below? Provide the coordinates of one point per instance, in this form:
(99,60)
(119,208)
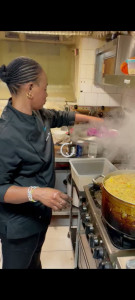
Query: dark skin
(32,96)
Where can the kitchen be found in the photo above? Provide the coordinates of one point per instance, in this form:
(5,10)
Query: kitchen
(74,84)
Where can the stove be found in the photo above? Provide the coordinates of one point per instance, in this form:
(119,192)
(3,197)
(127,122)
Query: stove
(100,245)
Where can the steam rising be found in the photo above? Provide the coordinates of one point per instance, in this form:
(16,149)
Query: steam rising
(120,146)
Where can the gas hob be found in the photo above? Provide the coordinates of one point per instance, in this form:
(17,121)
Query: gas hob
(108,249)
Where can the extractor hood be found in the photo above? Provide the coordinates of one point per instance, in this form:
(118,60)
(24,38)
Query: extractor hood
(109,59)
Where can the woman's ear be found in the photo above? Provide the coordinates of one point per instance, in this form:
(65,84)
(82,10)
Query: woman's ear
(29,90)
(30,86)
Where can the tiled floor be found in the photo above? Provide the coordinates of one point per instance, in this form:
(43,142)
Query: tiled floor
(57,251)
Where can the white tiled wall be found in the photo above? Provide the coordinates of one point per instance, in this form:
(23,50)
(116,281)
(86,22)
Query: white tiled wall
(93,95)
(128,99)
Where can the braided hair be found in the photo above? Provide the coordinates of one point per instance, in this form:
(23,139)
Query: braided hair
(19,71)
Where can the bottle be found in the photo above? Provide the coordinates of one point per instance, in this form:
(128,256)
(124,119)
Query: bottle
(66,106)
(79,148)
(92,149)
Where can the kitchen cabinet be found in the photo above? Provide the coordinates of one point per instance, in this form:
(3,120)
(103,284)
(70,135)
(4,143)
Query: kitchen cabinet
(85,259)
(61,177)
(91,99)
(62,170)
(85,83)
(81,98)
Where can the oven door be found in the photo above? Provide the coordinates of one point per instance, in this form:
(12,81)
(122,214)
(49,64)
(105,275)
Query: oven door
(109,62)
(85,257)
(105,65)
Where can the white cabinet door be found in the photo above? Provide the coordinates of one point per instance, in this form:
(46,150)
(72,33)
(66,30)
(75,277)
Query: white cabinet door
(91,99)
(81,98)
(84,88)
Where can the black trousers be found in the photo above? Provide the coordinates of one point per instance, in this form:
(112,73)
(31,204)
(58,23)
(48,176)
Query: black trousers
(22,253)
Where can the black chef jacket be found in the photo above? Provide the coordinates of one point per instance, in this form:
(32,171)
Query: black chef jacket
(27,159)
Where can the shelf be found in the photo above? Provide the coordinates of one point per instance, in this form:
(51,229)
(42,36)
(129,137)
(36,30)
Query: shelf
(120,80)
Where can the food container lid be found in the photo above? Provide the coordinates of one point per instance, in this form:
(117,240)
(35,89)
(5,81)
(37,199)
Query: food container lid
(124,66)
(130,60)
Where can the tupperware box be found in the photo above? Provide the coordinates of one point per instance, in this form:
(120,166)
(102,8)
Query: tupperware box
(131,66)
(85,169)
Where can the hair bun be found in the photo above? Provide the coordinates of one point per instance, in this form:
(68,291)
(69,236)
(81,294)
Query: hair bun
(3,73)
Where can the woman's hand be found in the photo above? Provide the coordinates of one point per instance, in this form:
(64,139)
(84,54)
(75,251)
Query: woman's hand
(52,198)
(87,119)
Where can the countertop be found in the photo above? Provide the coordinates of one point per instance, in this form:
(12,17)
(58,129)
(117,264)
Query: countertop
(60,158)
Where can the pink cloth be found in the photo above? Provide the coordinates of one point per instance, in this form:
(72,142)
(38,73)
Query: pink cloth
(102,132)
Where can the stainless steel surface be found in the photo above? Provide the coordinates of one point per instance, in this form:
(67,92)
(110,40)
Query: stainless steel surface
(120,49)
(94,247)
(85,259)
(126,262)
(59,158)
(120,80)
(71,225)
(101,238)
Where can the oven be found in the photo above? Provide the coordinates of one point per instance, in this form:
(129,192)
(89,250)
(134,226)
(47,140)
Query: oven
(109,59)
(99,245)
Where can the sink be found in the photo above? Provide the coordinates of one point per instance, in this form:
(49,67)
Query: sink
(84,170)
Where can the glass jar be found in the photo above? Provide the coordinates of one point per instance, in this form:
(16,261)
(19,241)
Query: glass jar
(92,149)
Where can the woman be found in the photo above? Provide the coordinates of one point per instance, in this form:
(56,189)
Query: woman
(27,177)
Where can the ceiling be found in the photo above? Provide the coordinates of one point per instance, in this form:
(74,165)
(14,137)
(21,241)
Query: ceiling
(66,37)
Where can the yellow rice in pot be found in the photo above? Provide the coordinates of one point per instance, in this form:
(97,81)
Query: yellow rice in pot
(122,186)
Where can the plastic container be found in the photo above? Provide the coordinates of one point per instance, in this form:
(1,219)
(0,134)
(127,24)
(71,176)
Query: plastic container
(85,169)
(131,66)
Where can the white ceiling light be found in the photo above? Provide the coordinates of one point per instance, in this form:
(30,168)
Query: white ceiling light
(69,33)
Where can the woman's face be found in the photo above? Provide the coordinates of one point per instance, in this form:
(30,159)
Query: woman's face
(39,92)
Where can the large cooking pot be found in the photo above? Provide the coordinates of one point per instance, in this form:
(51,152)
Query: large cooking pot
(117,213)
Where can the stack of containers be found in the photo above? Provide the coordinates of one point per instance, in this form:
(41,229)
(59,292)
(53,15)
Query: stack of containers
(131,66)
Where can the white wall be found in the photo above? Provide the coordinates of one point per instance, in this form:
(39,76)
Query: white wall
(84,80)
(93,95)
(128,99)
